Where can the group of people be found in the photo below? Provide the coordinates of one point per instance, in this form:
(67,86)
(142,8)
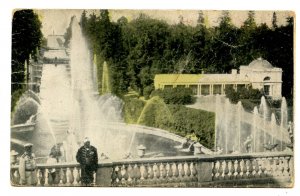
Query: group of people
(86,156)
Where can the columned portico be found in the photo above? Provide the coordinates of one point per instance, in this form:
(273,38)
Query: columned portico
(259,74)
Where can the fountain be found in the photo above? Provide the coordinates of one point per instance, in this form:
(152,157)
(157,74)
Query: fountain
(241,131)
(69,110)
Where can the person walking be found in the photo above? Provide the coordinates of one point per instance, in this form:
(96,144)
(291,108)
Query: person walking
(87,157)
(27,167)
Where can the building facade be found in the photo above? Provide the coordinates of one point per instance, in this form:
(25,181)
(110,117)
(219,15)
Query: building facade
(259,74)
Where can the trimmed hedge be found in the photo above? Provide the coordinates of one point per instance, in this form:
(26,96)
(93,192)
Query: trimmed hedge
(175,95)
(177,119)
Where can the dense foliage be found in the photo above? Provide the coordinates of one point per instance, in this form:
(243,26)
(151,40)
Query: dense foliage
(143,47)
(175,95)
(26,37)
(242,93)
(175,118)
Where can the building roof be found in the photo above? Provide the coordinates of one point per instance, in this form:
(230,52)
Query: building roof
(224,78)
(260,63)
(199,78)
(177,78)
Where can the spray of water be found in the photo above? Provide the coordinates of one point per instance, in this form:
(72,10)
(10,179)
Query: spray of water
(238,130)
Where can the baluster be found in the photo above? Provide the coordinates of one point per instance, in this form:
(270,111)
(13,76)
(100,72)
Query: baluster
(268,167)
(175,171)
(181,171)
(222,169)
(187,170)
(163,171)
(130,173)
(63,175)
(216,170)
(114,175)
(155,172)
(213,170)
(288,168)
(119,174)
(144,173)
(226,169)
(38,176)
(70,176)
(124,174)
(259,162)
(193,171)
(250,175)
(276,166)
(255,168)
(263,167)
(169,171)
(281,166)
(150,172)
(76,176)
(285,165)
(47,177)
(68,183)
(243,169)
(137,172)
(236,169)
(230,170)
(248,168)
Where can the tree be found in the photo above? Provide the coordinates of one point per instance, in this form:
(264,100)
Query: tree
(274,21)
(26,37)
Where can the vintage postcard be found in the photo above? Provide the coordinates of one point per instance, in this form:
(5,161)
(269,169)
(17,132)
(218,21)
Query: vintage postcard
(152,98)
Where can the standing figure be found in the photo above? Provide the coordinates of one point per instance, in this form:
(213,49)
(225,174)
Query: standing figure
(27,167)
(248,145)
(88,158)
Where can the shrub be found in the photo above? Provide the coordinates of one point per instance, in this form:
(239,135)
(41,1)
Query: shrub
(175,95)
(132,108)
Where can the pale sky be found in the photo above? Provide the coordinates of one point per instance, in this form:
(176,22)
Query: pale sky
(57,20)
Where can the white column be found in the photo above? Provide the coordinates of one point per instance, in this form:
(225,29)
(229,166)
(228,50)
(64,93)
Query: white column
(222,89)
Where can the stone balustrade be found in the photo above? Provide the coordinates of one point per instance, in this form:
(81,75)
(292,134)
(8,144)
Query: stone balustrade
(255,170)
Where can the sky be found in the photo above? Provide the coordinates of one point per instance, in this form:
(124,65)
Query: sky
(57,20)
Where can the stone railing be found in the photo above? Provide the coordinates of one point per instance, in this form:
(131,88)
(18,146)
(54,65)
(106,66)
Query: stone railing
(268,170)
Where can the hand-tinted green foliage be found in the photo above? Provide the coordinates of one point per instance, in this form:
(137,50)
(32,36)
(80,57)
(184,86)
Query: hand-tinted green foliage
(186,120)
(175,95)
(143,47)
(243,93)
(156,114)
(132,109)
(175,118)
(26,37)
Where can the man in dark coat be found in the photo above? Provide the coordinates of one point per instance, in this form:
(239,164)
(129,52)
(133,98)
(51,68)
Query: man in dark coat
(88,158)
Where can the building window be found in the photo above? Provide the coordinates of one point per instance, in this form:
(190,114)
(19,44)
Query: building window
(168,86)
(217,89)
(194,89)
(267,78)
(267,89)
(180,86)
(204,89)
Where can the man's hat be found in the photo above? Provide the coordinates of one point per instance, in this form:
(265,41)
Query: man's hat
(28,145)
(86,139)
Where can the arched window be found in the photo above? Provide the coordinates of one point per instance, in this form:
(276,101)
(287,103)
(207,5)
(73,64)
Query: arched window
(267,78)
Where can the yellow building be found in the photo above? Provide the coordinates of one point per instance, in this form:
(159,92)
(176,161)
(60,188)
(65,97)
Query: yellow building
(260,74)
